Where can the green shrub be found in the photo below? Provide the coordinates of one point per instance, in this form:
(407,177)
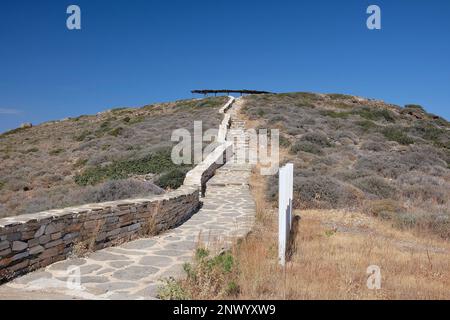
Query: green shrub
(2,184)
(172,290)
(376,186)
(116,131)
(366,125)
(82,136)
(56,152)
(156,163)
(375,114)
(316,138)
(336,115)
(201,253)
(284,142)
(395,134)
(76,119)
(415,106)
(136,119)
(32,150)
(339,96)
(80,163)
(103,129)
(118,110)
(305,147)
(172,179)
(260,112)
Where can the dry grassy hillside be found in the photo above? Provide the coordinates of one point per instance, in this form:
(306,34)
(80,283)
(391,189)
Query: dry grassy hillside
(372,187)
(364,155)
(116,154)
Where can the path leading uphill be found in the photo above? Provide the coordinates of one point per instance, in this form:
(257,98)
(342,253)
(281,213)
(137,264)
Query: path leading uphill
(134,270)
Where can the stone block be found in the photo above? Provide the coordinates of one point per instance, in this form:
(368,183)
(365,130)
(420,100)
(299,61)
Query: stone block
(4,245)
(5,252)
(20,256)
(53,243)
(19,266)
(14,236)
(40,231)
(35,250)
(19,246)
(55,236)
(33,242)
(44,239)
(54,227)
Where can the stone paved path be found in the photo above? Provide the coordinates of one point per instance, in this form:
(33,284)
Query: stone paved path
(134,270)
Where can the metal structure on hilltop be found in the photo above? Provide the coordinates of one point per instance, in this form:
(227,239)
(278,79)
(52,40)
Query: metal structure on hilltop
(227,91)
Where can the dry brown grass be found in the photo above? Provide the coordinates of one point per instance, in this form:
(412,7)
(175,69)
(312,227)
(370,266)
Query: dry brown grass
(332,252)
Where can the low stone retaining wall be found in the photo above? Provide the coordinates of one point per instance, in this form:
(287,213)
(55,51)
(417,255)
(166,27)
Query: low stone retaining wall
(29,242)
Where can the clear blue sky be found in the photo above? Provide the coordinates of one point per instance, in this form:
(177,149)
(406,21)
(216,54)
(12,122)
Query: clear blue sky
(131,53)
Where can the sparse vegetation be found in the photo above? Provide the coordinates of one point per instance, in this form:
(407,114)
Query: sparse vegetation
(397,135)
(209,277)
(357,152)
(172,179)
(94,150)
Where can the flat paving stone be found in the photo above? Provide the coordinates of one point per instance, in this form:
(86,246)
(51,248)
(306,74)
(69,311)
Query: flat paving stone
(93,279)
(170,253)
(157,261)
(90,268)
(106,256)
(139,244)
(134,273)
(64,265)
(119,264)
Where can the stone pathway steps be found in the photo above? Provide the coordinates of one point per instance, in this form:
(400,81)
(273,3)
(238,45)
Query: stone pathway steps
(134,270)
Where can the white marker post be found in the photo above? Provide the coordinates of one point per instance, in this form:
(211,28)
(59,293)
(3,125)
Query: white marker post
(285,196)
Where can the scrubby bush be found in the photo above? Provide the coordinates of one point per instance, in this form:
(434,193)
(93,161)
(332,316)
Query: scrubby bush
(284,142)
(56,152)
(116,131)
(397,135)
(154,163)
(343,135)
(376,186)
(119,189)
(336,115)
(82,136)
(172,179)
(375,114)
(316,138)
(323,192)
(366,125)
(376,146)
(418,186)
(305,147)
(276,118)
(415,106)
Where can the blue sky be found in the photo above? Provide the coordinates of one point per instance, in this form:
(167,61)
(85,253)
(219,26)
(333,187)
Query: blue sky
(131,53)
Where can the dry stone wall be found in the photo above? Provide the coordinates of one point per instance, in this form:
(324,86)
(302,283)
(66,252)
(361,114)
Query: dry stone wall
(30,242)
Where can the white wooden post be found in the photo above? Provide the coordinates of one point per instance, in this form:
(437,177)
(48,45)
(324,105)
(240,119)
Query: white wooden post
(285,196)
